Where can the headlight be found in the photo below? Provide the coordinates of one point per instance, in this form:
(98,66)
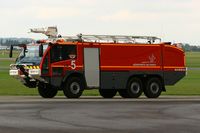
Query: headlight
(13,72)
(34,72)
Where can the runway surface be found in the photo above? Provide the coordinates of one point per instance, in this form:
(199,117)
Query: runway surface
(97,115)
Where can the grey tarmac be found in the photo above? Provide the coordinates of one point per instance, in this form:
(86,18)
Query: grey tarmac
(32,114)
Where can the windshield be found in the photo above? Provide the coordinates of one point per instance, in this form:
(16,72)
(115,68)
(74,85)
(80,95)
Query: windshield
(31,55)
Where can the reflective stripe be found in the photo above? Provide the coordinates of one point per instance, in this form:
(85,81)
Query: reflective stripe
(165,67)
(32,67)
(128,67)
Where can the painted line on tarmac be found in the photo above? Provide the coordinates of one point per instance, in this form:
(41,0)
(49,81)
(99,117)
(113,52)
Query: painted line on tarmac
(36,99)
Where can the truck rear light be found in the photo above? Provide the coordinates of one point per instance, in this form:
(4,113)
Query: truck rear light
(13,72)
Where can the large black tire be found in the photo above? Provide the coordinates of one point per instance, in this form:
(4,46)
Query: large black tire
(153,88)
(134,87)
(124,93)
(46,91)
(107,93)
(74,87)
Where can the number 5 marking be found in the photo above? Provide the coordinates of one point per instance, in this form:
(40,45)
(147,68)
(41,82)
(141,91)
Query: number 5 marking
(73,65)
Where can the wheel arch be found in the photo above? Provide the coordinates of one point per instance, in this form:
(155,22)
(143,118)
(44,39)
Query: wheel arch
(133,76)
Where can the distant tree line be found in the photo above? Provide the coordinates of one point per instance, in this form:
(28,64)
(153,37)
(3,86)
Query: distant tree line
(14,41)
(192,48)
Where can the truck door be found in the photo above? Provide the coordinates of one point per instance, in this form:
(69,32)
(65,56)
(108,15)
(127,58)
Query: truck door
(46,65)
(91,66)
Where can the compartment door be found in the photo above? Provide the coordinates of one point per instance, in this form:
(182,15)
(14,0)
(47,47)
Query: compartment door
(91,66)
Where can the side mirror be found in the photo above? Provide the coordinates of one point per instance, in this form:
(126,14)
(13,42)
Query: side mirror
(11,51)
(41,50)
(25,51)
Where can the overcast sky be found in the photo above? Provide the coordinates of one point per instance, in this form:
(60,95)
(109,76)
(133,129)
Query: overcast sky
(172,20)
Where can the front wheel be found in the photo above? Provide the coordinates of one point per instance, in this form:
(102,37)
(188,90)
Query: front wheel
(73,87)
(107,93)
(153,88)
(46,90)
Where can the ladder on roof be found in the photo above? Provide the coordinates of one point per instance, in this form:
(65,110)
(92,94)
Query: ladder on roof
(113,39)
(118,39)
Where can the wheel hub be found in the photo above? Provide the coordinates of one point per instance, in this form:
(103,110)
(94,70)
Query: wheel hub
(154,87)
(135,87)
(75,88)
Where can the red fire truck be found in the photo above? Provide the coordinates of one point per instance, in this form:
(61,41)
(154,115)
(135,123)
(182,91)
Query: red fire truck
(129,65)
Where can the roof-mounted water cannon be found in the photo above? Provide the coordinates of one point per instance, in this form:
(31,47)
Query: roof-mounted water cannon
(51,32)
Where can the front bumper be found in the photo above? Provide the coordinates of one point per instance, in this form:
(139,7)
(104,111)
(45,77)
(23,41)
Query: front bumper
(22,71)
(36,74)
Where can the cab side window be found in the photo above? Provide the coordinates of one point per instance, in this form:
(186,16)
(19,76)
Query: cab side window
(61,52)
(45,65)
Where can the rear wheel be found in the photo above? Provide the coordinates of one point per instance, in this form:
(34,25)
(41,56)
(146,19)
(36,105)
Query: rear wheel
(134,87)
(46,90)
(107,93)
(74,87)
(153,88)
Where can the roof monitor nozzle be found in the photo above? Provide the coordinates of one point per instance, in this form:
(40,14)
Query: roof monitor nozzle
(51,32)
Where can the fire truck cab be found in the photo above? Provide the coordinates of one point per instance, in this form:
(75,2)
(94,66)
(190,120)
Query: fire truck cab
(27,59)
(129,65)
